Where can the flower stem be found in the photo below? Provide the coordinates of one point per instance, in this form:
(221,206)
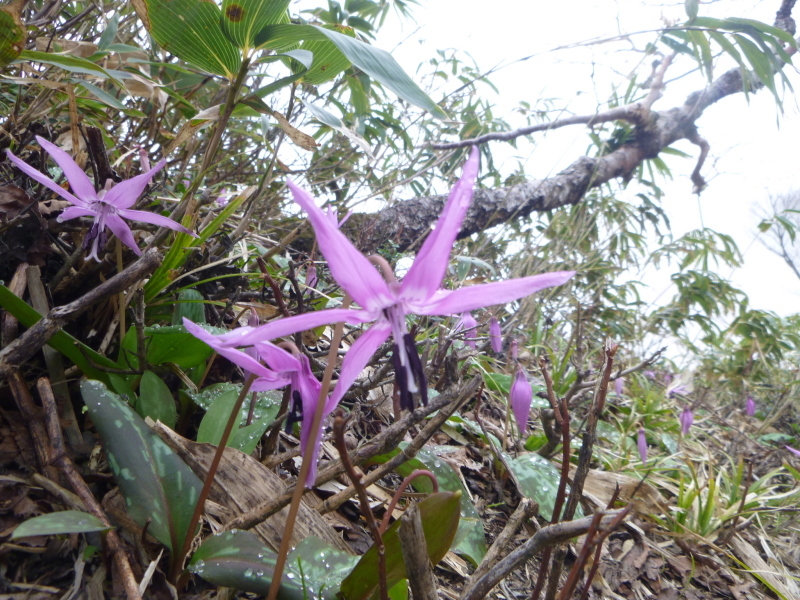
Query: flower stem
(178,559)
(308,456)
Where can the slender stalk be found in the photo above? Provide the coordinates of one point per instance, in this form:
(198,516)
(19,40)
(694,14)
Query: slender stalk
(178,559)
(308,456)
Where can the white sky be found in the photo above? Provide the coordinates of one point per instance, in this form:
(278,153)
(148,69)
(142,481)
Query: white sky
(750,156)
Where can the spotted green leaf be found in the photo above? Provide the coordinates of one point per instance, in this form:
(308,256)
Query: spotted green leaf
(12,32)
(241,20)
(538,479)
(440,513)
(59,523)
(157,485)
(244,437)
(191,30)
(377,63)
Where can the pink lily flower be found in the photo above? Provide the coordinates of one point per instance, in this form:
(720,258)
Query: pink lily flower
(794,451)
(387,302)
(108,208)
(619,383)
(521,396)
(750,407)
(468,325)
(284,369)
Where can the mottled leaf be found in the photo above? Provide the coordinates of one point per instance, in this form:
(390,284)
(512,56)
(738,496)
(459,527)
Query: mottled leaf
(538,479)
(155,400)
(158,487)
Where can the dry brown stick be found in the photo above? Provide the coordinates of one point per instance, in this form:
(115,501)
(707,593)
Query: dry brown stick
(525,510)
(415,555)
(546,537)
(17,287)
(357,480)
(82,490)
(406,453)
(33,417)
(380,444)
(30,342)
(55,364)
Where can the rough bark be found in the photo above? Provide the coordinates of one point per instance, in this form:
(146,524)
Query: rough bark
(408,222)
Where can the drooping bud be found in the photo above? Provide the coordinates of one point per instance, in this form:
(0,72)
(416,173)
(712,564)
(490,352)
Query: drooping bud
(468,325)
(311,276)
(495,335)
(750,407)
(520,397)
(686,419)
(619,382)
(642,443)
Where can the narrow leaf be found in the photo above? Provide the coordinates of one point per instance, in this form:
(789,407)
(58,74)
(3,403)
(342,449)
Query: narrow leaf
(59,523)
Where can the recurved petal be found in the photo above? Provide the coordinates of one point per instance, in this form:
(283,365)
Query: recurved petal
(126,193)
(248,363)
(122,231)
(78,180)
(277,358)
(351,269)
(426,274)
(265,384)
(44,180)
(446,302)
(144,216)
(289,325)
(357,358)
(73,212)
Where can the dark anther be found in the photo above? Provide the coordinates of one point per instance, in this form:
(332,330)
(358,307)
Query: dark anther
(417,371)
(296,413)
(401,377)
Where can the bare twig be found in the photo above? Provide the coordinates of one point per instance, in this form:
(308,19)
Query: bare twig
(30,342)
(415,555)
(82,490)
(399,492)
(357,480)
(33,417)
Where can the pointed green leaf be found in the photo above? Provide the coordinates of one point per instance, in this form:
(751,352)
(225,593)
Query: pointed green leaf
(78,352)
(267,403)
(107,38)
(377,63)
(328,59)
(168,344)
(439,514)
(189,305)
(241,20)
(74,64)
(158,486)
(761,63)
(244,437)
(336,123)
(319,567)
(237,559)
(538,479)
(12,32)
(59,523)
(191,30)
(155,400)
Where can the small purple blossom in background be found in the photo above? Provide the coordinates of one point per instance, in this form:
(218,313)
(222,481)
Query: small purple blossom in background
(793,451)
(678,390)
(108,207)
(642,443)
(619,382)
(750,407)
(649,374)
(520,397)
(311,276)
(495,335)
(222,199)
(469,326)
(686,419)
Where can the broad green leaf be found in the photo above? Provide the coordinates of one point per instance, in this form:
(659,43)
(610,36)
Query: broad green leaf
(237,559)
(125,391)
(538,479)
(241,20)
(319,567)
(158,486)
(244,437)
(156,401)
(498,382)
(168,344)
(59,523)
(107,38)
(328,59)
(439,514)
(191,30)
(189,305)
(764,28)
(377,63)
(12,32)
(78,352)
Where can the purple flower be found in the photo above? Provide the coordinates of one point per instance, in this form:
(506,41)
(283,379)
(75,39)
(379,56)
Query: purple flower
(311,276)
(495,335)
(649,374)
(679,390)
(642,443)
(468,325)
(619,382)
(387,302)
(521,396)
(108,208)
(750,407)
(222,199)
(793,450)
(686,419)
